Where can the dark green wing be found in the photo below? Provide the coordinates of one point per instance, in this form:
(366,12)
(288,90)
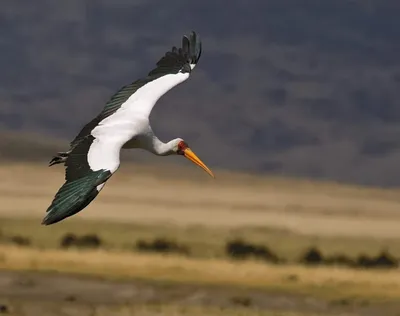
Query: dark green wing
(182,59)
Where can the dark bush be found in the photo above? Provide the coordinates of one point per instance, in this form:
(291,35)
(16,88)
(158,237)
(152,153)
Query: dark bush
(386,260)
(16,240)
(4,309)
(70,298)
(312,257)
(364,261)
(239,249)
(90,241)
(340,260)
(241,301)
(383,260)
(20,240)
(86,241)
(161,245)
(68,240)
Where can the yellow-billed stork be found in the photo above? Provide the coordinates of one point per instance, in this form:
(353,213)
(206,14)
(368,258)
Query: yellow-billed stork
(94,154)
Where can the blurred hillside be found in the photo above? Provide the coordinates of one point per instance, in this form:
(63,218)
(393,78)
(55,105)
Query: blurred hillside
(294,87)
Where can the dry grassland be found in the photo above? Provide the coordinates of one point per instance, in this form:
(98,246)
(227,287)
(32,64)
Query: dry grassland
(187,196)
(327,283)
(203,241)
(186,205)
(29,308)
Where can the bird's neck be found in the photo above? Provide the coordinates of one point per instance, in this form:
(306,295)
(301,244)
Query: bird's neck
(160,148)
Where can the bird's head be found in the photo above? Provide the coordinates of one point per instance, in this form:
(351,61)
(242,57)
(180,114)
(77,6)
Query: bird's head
(180,147)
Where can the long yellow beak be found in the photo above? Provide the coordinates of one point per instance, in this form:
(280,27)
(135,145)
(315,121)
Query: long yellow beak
(189,154)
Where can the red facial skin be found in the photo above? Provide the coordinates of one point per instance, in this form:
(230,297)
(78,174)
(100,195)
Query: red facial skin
(181,147)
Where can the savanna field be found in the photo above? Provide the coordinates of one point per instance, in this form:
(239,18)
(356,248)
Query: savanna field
(308,89)
(155,243)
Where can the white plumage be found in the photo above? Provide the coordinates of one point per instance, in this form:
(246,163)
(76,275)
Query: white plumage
(124,123)
(129,121)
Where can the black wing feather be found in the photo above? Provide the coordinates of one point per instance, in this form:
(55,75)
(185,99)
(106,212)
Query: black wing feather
(175,60)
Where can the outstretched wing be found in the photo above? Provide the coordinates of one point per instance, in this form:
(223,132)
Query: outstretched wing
(140,96)
(88,166)
(94,153)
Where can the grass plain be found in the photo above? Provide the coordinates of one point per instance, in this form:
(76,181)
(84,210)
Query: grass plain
(186,205)
(322,282)
(185,196)
(51,309)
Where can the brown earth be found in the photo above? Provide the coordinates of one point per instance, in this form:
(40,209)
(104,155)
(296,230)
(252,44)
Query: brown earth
(187,197)
(56,294)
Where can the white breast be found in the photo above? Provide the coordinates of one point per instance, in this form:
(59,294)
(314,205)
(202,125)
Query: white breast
(132,117)
(130,120)
(144,99)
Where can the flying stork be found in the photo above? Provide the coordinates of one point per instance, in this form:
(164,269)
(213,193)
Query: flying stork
(94,154)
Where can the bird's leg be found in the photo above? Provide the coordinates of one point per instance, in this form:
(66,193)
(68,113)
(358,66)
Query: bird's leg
(59,158)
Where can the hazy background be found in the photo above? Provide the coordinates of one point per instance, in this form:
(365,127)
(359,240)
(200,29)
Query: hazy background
(305,88)
(295,87)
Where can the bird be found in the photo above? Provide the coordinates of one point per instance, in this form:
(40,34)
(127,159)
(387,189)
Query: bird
(94,154)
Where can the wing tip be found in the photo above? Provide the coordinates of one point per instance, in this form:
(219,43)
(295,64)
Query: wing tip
(188,53)
(48,220)
(52,216)
(195,46)
(74,196)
